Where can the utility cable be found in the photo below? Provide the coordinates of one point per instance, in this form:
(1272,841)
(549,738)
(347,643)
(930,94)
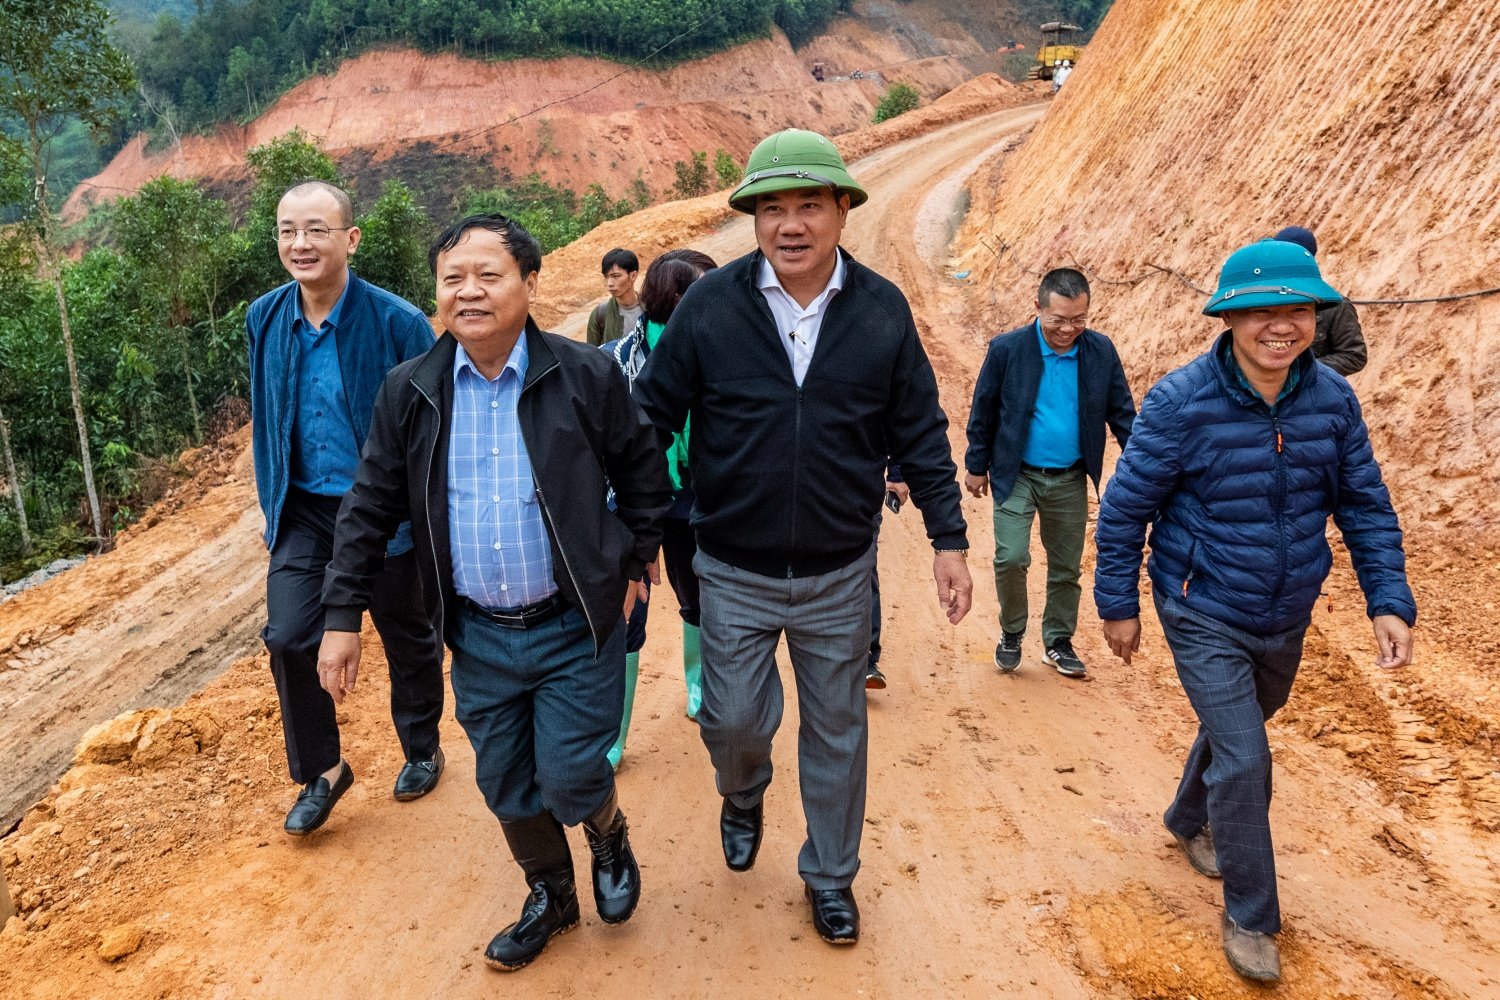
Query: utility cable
(1001,247)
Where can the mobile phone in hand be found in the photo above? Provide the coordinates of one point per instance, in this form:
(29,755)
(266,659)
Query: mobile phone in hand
(892,501)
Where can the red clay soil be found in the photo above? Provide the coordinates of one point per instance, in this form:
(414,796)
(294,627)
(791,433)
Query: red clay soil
(1013,843)
(385,104)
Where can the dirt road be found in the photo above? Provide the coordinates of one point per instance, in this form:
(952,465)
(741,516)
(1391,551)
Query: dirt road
(1013,843)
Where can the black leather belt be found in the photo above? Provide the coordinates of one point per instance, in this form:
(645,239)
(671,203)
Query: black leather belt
(1045,471)
(529,616)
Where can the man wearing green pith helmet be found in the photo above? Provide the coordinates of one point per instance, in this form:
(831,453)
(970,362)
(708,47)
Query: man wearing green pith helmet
(802,373)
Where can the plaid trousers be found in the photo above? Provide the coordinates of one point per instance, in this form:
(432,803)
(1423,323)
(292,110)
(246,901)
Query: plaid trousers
(1235,680)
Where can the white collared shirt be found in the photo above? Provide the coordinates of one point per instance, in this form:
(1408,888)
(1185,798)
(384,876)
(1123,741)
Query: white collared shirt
(798,327)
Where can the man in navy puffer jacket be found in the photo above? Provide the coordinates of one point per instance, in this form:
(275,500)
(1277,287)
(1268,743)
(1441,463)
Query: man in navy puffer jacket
(1236,461)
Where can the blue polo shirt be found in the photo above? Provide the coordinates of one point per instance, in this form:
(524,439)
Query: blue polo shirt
(325,454)
(1052,442)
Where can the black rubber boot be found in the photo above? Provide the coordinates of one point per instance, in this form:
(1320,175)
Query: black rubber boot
(541,849)
(617,877)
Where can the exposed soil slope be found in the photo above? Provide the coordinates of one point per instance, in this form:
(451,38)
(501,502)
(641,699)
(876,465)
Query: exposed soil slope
(1193,128)
(1013,843)
(379,110)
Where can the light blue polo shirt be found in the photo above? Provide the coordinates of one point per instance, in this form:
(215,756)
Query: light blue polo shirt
(1052,440)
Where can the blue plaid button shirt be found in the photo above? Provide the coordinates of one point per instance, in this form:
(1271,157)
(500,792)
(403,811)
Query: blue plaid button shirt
(501,554)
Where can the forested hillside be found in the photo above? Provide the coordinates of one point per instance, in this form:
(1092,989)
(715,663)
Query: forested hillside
(232,59)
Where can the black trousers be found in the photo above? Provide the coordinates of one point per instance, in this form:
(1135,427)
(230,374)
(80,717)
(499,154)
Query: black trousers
(294,630)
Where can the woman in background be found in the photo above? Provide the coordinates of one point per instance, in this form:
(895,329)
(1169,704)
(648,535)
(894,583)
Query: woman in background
(667,279)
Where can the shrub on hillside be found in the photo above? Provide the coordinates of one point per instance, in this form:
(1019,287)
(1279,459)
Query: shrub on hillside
(728,171)
(898,99)
(692,179)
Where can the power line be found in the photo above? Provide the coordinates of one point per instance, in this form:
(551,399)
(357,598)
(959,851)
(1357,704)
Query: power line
(1001,247)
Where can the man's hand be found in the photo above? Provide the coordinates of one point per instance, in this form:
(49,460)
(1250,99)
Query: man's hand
(955,590)
(1392,642)
(902,491)
(653,572)
(635,590)
(1124,637)
(338,664)
(978,486)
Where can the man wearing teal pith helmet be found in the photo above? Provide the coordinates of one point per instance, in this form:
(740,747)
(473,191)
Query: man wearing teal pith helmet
(802,372)
(1235,464)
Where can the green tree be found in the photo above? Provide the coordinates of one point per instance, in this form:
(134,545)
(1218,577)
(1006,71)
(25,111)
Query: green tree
(692,179)
(15,297)
(167,234)
(898,99)
(728,171)
(393,246)
(57,63)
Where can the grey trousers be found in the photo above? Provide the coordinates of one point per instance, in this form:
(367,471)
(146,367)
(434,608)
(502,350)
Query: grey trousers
(826,620)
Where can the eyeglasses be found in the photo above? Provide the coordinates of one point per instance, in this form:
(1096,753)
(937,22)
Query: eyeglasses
(1074,322)
(314,234)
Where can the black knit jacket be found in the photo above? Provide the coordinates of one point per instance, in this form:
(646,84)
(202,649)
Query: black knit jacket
(788,479)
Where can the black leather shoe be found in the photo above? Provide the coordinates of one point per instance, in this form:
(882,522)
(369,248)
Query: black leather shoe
(316,801)
(617,877)
(740,830)
(418,777)
(550,910)
(835,914)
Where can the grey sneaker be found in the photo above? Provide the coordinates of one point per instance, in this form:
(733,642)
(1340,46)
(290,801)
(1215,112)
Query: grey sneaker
(1252,954)
(1060,654)
(1200,852)
(1008,652)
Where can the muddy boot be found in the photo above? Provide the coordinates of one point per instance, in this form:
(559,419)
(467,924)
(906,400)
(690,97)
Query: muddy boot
(1252,954)
(541,849)
(692,669)
(1200,852)
(617,877)
(632,674)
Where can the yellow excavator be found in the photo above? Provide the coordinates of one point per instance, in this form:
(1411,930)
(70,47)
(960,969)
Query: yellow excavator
(1059,42)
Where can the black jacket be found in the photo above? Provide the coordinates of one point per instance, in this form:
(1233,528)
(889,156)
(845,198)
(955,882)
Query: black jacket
(580,428)
(788,480)
(1339,342)
(1005,397)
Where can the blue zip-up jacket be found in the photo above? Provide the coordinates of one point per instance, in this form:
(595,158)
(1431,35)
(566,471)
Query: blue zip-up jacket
(1238,497)
(377,330)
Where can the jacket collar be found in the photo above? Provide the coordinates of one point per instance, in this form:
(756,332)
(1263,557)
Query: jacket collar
(1306,367)
(755,259)
(436,365)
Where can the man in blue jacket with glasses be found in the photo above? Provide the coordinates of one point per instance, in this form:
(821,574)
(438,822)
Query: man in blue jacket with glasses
(1236,462)
(320,346)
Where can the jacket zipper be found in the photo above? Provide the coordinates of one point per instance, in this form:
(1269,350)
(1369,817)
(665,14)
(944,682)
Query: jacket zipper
(796,478)
(1193,548)
(547,513)
(1280,510)
(427,493)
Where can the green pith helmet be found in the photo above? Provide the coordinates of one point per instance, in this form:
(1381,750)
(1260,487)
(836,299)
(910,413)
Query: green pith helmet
(794,159)
(1269,273)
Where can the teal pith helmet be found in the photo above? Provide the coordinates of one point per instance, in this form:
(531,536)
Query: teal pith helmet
(1269,273)
(794,159)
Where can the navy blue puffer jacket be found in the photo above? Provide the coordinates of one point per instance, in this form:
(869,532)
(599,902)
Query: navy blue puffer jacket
(1238,497)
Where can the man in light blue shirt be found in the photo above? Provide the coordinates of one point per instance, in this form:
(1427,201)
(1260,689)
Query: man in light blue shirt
(500,445)
(1036,436)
